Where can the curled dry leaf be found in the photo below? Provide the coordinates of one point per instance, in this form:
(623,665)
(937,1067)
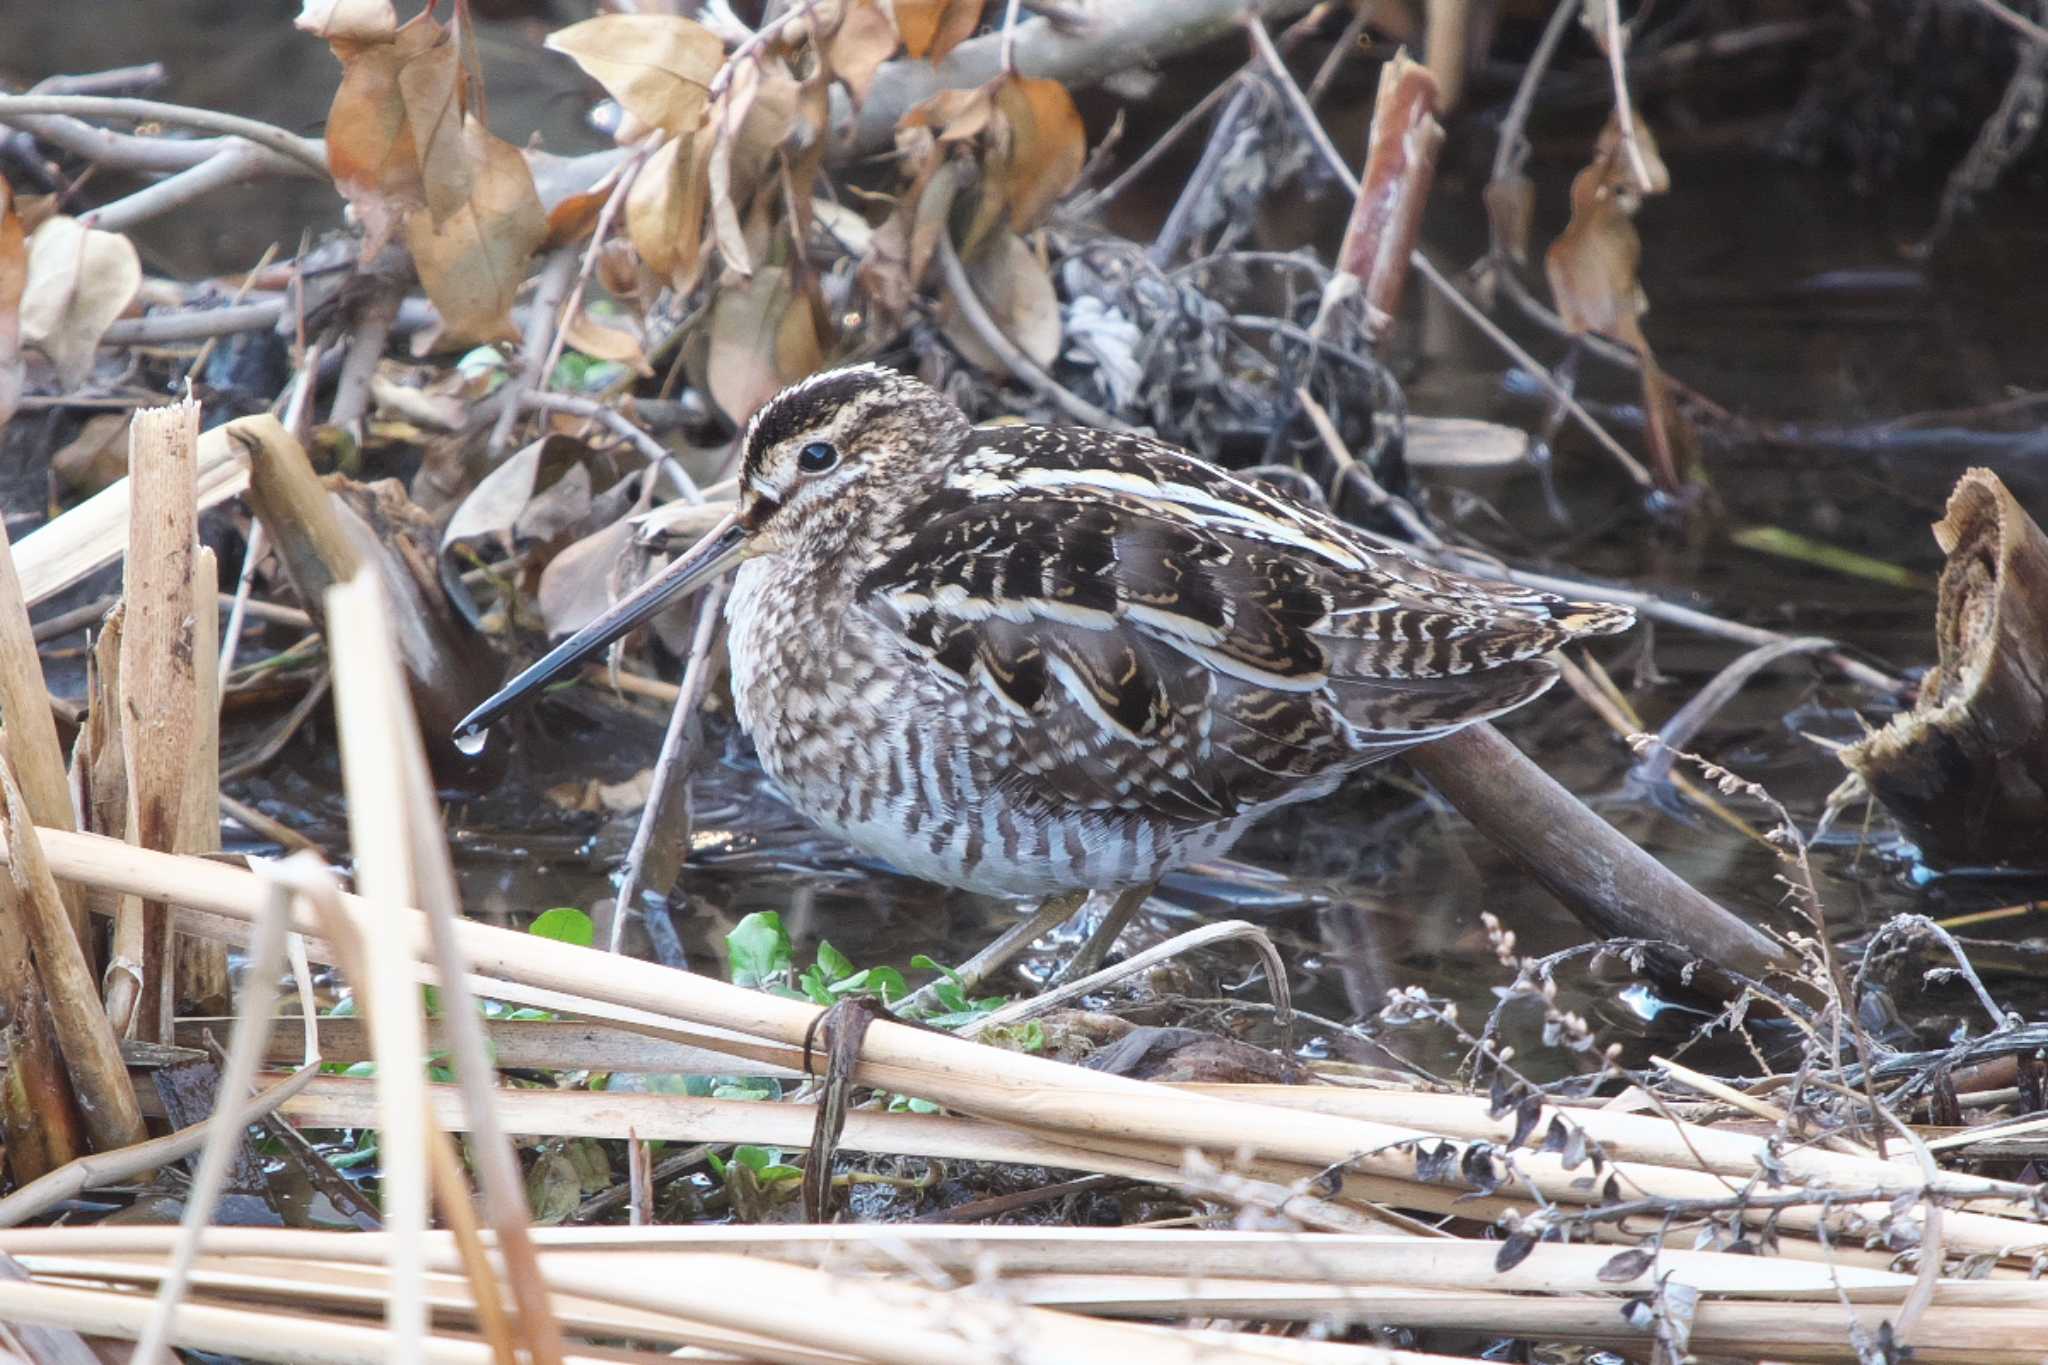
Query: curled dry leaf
(764,336)
(430,87)
(1016,288)
(607,341)
(13,279)
(933,28)
(1041,156)
(348,20)
(79,280)
(1592,269)
(95,457)
(865,38)
(665,209)
(371,150)
(472,263)
(657,66)
(751,120)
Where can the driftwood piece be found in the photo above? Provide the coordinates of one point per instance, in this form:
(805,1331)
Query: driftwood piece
(1965,772)
(327,530)
(1613,887)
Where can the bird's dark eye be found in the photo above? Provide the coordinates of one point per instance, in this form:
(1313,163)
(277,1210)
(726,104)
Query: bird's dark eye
(817,457)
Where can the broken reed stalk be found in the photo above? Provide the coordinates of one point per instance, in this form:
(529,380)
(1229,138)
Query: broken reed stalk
(1386,214)
(29,728)
(159,696)
(1965,772)
(1614,888)
(86,1042)
(39,1115)
(328,532)
(384,762)
(200,966)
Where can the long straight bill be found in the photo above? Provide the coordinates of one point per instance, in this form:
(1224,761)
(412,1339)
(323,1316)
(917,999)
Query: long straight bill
(720,548)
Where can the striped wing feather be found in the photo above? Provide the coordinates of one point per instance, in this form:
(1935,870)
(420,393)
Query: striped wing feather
(1163,637)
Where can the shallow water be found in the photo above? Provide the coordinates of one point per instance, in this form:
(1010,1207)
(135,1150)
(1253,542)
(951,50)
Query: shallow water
(1797,312)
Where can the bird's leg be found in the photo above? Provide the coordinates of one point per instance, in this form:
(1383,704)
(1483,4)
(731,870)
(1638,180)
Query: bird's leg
(1089,956)
(1051,913)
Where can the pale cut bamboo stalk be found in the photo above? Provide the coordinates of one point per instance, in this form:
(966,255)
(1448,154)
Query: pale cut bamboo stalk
(365,720)
(961,1075)
(159,686)
(263,1334)
(90,1051)
(367,661)
(363,1288)
(94,534)
(1339,1258)
(346,1102)
(30,729)
(200,966)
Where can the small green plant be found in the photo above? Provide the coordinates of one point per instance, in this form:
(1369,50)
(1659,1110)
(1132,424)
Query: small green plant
(762,957)
(765,1164)
(564,924)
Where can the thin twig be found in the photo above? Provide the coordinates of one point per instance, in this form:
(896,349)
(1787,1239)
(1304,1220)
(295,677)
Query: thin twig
(1009,57)
(1624,115)
(311,155)
(2013,19)
(1512,148)
(1223,931)
(678,748)
(619,425)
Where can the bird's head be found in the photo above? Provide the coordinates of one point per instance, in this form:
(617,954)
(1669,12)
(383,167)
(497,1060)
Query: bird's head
(824,464)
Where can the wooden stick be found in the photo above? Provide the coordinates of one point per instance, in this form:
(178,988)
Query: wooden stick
(1400,166)
(1613,887)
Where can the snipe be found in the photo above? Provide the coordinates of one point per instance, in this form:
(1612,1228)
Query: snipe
(1028,660)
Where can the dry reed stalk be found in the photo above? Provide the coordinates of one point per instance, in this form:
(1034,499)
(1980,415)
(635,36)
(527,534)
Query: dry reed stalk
(94,534)
(30,729)
(547,1044)
(159,695)
(365,718)
(1089,1108)
(200,966)
(86,1043)
(39,1115)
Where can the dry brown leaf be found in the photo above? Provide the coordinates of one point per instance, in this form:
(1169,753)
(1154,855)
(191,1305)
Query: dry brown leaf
(665,210)
(13,280)
(472,264)
(953,115)
(763,338)
(346,21)
(751,120)
(430,87)
(1511,209)
(95,457)
(1042,155)
(79,280)
(932,28)
(865,38)
(1015,287)
(371,149)
(657,66)
(1592,268)
(606,341)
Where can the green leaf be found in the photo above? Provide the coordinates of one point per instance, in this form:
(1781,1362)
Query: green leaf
(832,963)
(564,924)
(815,988)
(758,949)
